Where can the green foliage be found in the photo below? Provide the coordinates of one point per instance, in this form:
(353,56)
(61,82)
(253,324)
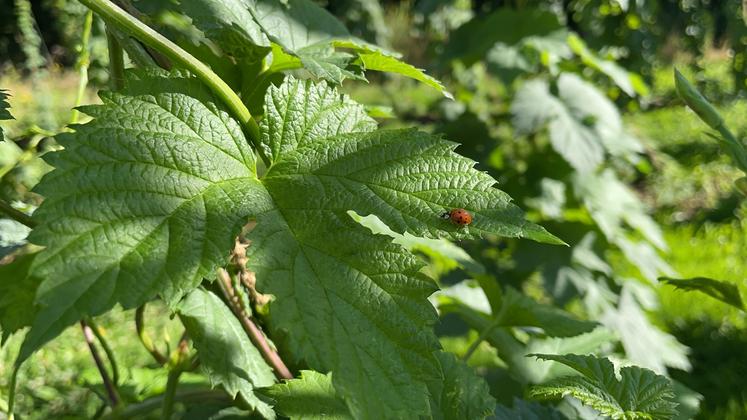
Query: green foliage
(17,290)
(462,394)
(227,356)
(636,394)
(4,113)
(582,123)
(718,289)
(525,410)
(143,201)
(311,396)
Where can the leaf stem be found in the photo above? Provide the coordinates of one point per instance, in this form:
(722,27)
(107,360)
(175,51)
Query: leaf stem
(116,61)
(17,215)
(485,332)
(107,350)
(145,338)
(254,333)
(84,60)
(113,14)
(110,388)
(167,407)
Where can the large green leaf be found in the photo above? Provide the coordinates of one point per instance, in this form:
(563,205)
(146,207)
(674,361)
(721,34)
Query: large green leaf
(4,113)
(636,394)
(146,199)
(156,207)
(315,258)
(17,290)
(462,394)
(582,123)
(310,397)
(226,354)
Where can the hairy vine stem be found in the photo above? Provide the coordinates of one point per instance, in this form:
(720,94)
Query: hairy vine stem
(111,389)
(116,61)
(82,63)
(255,334)
(17,215)
(107,350)
(115,15)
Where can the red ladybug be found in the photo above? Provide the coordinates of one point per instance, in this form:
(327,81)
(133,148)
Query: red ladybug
(459,217)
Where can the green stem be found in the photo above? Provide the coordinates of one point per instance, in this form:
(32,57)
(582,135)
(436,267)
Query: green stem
(145,338)
(17,215)
(483,335)
(139,410)
(113,14)
(167,407)
(116,61)
(485,332)
(12,390)
(107,350)
(111,390)
(84,60)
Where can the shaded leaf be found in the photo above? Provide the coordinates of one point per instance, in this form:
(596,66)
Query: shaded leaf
(521,310)
(718,289)
(636,394)
(17,290)
(462,394)
(527,410)
(471,41)
(311,396)
(227,356)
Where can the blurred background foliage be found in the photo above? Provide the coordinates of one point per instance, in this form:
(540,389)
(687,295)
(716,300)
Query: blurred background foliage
(570,104)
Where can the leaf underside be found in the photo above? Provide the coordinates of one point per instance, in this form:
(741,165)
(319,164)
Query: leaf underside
(4,113)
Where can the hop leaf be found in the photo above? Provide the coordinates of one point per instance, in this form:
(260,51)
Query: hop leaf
(148,197)
(637,394)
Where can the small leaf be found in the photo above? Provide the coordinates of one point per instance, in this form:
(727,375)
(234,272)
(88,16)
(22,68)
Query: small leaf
(697,102)
(227,356)
(621,77)
(311,396)
(381,62)
(4,113)
(462,394)
(521,310)
(718,289)
(637,394)
(17,290)
(471,41)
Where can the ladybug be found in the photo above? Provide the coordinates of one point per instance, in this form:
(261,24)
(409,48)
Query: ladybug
(460,217)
